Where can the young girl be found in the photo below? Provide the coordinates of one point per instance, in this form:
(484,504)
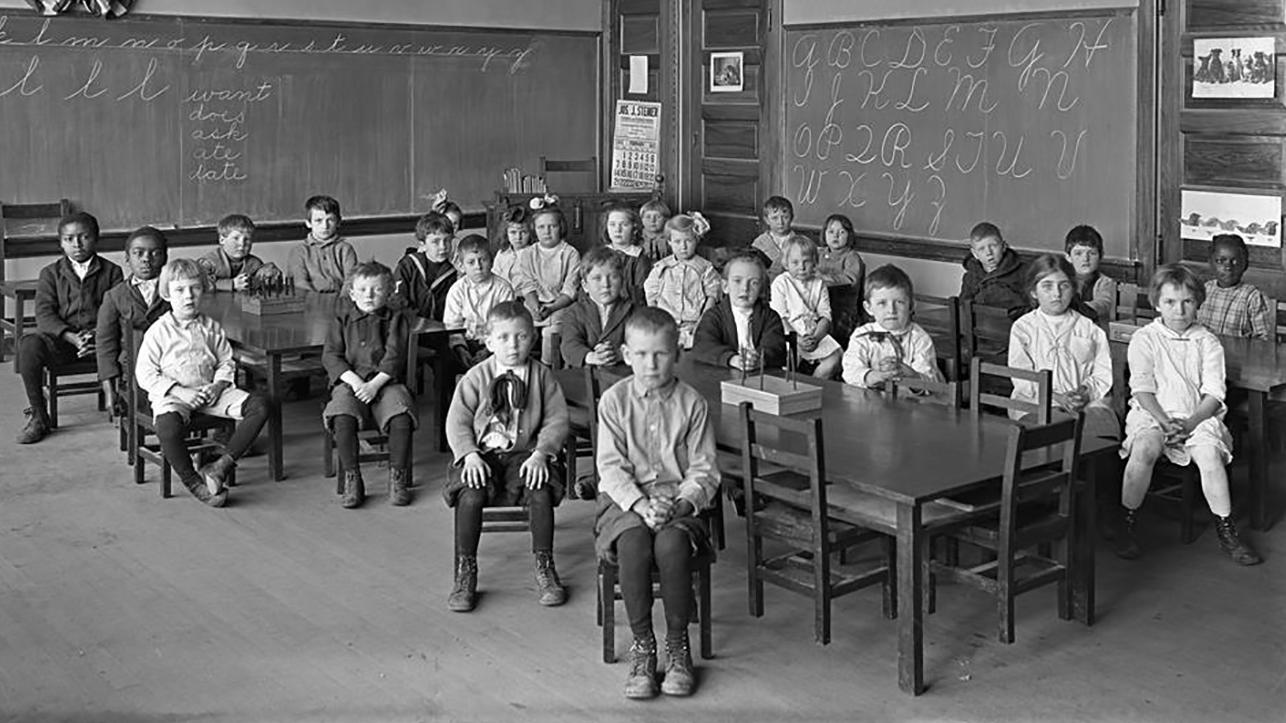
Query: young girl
(365,358)
(1054,336)
(684,284)
(1177,383)
(185,365)
(546,274)
(800,297)
(622,232)
(517,237)
(654,215)
(839,263)
(445,206)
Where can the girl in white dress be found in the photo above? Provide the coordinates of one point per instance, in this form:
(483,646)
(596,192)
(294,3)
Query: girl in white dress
(800,297)
(683,283)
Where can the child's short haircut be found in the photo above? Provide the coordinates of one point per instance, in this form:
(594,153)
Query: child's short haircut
(1047,264)
(602,256)
(653,320)
(888,276)
(745,254)
(147,232)
(556,212)
(779,203)
(325,204)
(509,311)
(236,222)
(369,270)
(445,207)
(79,217)
(433,222)
(1176,275)
(1229,240)
(845,222)
(985,230)
(655,204)
(636,223)
(473,244)
(181,270)
(801,242)
(1084,235)
(683,223)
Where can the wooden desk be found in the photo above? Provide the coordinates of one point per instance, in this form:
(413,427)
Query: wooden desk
(276,336)
(21,292)
(909,455)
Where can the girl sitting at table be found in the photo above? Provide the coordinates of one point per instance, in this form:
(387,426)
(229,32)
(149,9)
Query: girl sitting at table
(1055,336)
(1177,408)
(801,299)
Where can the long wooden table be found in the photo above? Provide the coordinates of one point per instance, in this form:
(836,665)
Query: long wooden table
(277,336)
(907,454)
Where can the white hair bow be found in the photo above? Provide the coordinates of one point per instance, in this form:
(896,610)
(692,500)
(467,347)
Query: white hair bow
(538,202)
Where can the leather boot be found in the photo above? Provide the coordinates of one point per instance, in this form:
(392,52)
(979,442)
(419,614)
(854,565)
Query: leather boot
(551,588)
(37,427)
(1127,545)
(678,666)
(1232,544)
(641,681)
(354,489)
(399,493)
(464,595)
(201,491)
(215,474)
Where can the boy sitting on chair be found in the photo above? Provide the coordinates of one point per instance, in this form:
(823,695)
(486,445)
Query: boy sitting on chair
(136,303)
(657,470)
(506,425)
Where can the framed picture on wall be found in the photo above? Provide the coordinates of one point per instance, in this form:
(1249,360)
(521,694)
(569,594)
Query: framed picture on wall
(1234,68)
(1255,215)
(726,74)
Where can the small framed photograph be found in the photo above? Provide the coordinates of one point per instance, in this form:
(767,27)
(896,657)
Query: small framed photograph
(726,72)
(1234,68)
(1253,214)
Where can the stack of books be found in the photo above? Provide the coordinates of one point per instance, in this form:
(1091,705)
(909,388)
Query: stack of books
(516,182)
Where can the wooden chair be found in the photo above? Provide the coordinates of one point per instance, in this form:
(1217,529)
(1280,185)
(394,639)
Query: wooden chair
(1277,319)
(985,329)
(928,390)
(1043,380)
(55,388)
(795,514)
(1021,523)
(1133,305)
(940,316)
(18,219)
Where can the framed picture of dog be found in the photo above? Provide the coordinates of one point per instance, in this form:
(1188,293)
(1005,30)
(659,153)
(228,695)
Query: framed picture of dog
(1254,214)
(1234,68)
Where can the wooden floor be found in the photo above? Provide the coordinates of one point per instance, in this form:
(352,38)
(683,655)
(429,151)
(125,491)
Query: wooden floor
(116,605)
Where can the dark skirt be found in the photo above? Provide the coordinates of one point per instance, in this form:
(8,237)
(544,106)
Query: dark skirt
(393,399)
(610,521)
(505,486)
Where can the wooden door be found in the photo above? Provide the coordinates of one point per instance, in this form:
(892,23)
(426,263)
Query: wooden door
(645,28)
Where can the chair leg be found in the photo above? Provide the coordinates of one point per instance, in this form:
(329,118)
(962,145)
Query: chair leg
(707,638)
(607,596)
(139,465)
(716,522)
(328,450)
(755,595)
(1005,600)
(1065,546)
(167,472)
(1187,502)
(821,595)
(52,393)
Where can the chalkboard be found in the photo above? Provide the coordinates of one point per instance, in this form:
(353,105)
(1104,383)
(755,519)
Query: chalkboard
(919,131)
(178,121)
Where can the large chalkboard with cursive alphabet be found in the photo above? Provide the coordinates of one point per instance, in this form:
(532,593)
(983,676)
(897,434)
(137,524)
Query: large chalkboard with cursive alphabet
(920,131)
(178,121)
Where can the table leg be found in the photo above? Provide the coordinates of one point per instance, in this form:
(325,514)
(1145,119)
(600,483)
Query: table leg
(1258,458)
(1082,551)
(910,600)
(275,435)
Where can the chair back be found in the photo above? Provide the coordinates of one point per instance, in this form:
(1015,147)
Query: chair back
(986,328)
(1132,305)
(940,317)
(578,165)
(596,380)
(1042,378)
(764,438)
(137,408)
(1277,320)
(947,394)
(17,219)
(1046,482)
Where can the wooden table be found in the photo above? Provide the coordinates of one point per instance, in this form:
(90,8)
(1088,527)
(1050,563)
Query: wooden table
(908,454)
(276,336)
(20,292)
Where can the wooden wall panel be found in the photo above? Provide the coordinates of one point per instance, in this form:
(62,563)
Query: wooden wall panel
(1206,15)
(731,28)
(732,139)
(1232,160)
(640,34)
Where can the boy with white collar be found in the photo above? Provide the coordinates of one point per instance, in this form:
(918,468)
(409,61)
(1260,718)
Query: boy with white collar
(892,346)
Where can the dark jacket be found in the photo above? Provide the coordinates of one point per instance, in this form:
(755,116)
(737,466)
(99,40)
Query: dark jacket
(123,307)
(715,341)
(219,266)
(1004,288)
(366,344)
(65,303)
(422,285)
(584,329)
(635,272)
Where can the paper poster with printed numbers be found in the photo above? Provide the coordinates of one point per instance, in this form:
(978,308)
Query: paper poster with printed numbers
(636,144)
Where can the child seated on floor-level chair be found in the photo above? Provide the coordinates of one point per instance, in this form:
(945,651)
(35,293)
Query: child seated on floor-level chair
(890,346)
(517,237)
(506,425)
(323,260)
(778,216)
(69,293)
(654,214)
(742,331)
(594,328)
(424,277)
(232,266)
(657,470)
(547,273)
(134,304)
(1057,337)
(471,298)
(365,359)
(622,233)
(1177,408)
(185,365)
(803,302)
(683,283)
(1232,308)
(1095,293)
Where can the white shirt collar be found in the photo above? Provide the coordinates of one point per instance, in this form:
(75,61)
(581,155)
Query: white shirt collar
(146,287)
(81,267)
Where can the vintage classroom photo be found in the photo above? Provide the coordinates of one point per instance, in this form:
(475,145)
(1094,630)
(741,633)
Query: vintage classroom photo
(615,360)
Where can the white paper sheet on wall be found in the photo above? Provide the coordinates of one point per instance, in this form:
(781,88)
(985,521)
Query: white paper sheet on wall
(638,74)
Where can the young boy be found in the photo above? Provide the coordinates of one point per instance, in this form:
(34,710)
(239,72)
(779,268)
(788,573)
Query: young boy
(506,425)
(324,259)
(741,331)
(365,358)
(423,278)
(1233,308)
(1095,292)
(136,304)
(778,216)
(654,214)
(470,300)
(185,365)
(232,266)
(68,295)
(994,274)
(595,325)
(892,346)
(657,470)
